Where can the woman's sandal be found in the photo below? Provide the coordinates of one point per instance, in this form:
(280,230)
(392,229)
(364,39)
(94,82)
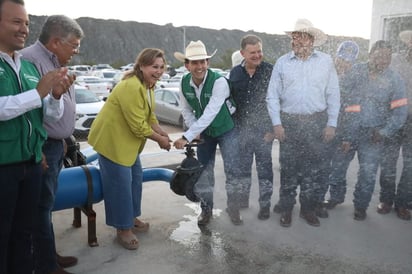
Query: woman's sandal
(140,226)
(128,241)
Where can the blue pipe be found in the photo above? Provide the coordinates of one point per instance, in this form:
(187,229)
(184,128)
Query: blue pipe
(73,192)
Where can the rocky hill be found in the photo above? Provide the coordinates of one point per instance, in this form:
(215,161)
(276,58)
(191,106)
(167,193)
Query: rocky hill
(118,42)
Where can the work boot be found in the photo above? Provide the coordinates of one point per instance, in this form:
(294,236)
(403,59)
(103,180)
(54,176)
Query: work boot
(359,214)
(204,217)
(310,217)
(264,213)
(403,213)
(384,208)
(321,211)
(234,215)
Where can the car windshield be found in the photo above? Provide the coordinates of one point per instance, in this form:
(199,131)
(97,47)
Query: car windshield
(108,74)
(85,96)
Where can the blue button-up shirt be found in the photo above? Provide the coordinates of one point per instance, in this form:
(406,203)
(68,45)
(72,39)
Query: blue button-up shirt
(304,87)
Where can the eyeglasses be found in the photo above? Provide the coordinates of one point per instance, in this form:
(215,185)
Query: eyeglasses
(75,47)
(300,35)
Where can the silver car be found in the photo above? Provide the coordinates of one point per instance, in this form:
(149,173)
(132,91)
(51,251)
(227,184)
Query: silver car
(168,108)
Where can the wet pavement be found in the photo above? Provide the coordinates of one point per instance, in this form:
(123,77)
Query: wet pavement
(175,244)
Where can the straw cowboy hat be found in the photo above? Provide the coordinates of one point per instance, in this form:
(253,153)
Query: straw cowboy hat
(194,51)
(304,25)
(406,36)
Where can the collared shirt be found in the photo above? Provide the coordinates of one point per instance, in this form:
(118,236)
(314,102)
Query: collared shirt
(46,61)
(220,92)
(401,65)
(249,93)
(304,87)
(382,101)
(14,106)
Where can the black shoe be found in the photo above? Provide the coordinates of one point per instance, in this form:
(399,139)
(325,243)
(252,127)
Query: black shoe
(359,214)
(66,261)
(321,211)
(204,217)
(264,213)
(384,208)
(330,204)
(310,217)
(286,219)
(234,215)
(277,209)
(403,213)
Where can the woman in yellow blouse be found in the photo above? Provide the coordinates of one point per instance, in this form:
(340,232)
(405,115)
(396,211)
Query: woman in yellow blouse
(118,135)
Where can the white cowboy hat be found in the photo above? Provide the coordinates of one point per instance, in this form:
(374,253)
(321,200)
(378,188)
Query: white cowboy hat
(406,36)
(304,25)
(194,51)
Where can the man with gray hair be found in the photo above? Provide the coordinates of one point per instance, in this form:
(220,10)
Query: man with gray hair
(58,42)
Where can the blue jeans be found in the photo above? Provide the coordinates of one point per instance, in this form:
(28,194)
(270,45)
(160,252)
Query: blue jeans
(337,179)
(206,153)
(43,239)
(19,196)
(253,146)
(369,154)
(122,192)
(302,160)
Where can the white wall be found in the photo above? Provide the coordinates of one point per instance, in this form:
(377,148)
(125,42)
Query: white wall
(382,13)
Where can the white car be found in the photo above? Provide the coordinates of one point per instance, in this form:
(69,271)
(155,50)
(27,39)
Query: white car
(97,85)
(107,74)
(88,105)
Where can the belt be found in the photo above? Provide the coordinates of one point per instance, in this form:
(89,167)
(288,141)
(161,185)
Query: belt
(49,139)
(302,117)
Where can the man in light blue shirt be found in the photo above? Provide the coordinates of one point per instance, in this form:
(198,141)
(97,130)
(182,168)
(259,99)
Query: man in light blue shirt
(303,101)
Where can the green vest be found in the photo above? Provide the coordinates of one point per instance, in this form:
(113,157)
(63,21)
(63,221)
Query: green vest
(22,137)
(223,121)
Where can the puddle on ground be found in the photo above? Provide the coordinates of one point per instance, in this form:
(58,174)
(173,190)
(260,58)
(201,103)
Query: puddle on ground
(189,234)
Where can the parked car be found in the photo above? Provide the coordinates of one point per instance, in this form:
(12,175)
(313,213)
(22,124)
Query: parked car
(168,108)
(95,84)
(127,67)
(88,105)
(101,66)
(80,69)
(107,74)
(170,82)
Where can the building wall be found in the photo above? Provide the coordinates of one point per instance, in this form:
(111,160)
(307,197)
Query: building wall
(389,17)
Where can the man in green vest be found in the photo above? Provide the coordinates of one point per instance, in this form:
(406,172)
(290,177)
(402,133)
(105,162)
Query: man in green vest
(207,113)
(25,98)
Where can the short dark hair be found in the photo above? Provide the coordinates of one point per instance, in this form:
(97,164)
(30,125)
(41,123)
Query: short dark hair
(21,2)
(380,44)
(249,39)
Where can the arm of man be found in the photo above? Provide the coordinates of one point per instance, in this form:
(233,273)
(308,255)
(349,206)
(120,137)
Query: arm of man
(398,107)
(273,102)
(220,92)
(333,103)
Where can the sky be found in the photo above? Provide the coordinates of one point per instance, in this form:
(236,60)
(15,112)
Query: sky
(334,17)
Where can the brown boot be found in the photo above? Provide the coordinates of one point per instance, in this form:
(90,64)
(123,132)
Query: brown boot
(66,261)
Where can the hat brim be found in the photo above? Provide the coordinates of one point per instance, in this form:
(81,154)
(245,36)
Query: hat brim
(181,57)
(319,36)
